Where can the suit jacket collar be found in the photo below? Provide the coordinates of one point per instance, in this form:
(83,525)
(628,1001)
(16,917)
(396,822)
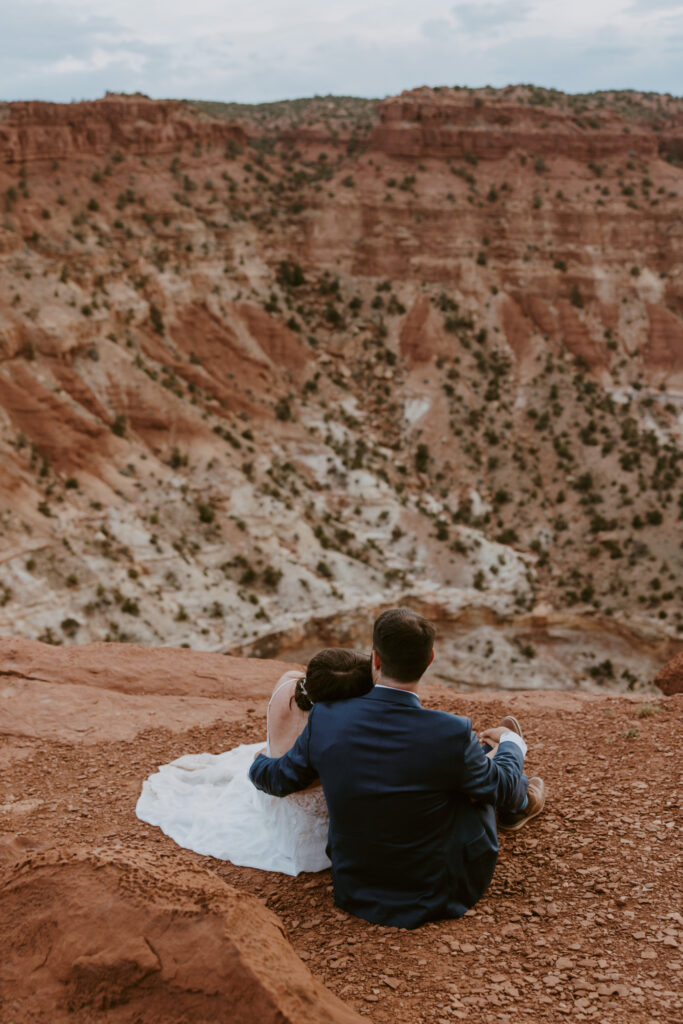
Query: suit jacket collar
(393,696)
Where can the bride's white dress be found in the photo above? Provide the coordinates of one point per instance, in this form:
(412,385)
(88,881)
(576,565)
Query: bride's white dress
(206,803)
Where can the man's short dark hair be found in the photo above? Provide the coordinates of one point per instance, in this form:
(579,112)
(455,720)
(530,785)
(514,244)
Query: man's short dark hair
(404,641)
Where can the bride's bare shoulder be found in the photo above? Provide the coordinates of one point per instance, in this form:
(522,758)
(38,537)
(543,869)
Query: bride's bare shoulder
(290,677)
(285,719)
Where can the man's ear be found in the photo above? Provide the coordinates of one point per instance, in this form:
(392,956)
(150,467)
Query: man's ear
(431,659)
(375,660)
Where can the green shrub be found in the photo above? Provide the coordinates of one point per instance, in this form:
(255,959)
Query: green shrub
(575,296)
(271,576)
(422,458)
(156,318)
(283,410)
(206,512)
(290,275)
(118,427)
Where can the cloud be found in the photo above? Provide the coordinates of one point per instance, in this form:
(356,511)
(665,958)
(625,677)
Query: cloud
(437,29)
(35,32)
(485,17)
(574,66)
(57,52)
(652,6)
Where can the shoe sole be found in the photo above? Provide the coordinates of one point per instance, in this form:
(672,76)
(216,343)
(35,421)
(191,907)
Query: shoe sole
(523,822)
(518,728)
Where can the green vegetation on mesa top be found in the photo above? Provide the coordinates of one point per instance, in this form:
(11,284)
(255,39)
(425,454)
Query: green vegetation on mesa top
(308,108)
(653,108)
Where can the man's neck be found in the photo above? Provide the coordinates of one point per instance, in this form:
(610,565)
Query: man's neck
(393,685)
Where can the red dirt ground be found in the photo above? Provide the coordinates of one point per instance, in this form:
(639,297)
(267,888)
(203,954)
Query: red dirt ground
(582,918)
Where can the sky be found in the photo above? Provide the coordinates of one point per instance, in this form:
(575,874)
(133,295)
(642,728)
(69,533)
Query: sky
(261,50)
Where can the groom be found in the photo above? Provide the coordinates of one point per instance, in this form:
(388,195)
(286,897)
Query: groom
(411,793)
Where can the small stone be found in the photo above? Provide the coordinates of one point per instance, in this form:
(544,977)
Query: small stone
(393,983)
(612,990)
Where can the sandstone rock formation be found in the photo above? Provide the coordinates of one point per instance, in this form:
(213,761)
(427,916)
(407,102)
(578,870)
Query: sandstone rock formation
(123,934)
(670,678)
(264,367)
(134,124)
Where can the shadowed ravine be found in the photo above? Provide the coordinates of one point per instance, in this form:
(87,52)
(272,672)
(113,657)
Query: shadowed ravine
(477,649)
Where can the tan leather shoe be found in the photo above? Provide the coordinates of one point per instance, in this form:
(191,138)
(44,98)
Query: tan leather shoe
(535,803)
(511,723)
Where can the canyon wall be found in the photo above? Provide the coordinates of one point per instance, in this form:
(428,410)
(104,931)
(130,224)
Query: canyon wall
(266,368)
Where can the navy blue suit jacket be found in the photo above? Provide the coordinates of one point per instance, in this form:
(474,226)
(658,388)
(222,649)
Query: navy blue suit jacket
(412,799)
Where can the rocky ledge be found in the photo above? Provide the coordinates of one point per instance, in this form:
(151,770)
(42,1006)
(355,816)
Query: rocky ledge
(104,916)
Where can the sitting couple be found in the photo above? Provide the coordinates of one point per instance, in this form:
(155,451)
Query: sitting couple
(401,799)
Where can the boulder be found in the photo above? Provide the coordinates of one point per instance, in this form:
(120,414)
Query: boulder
(118,934)
(670,678)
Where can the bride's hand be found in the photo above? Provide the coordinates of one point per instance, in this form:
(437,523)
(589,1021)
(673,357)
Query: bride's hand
(259,752)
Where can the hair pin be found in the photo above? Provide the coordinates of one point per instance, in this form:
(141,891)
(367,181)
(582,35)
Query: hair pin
(302,684)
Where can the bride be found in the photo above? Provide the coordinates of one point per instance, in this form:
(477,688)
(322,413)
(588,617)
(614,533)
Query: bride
(206,802)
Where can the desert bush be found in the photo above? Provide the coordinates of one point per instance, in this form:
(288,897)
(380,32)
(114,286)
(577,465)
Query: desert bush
(283,410)
(290,275)
(575,296)
(422,458)
(206,512)
(118,427)
(271,577)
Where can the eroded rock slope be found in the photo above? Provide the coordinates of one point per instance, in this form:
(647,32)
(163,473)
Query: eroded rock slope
(261,367)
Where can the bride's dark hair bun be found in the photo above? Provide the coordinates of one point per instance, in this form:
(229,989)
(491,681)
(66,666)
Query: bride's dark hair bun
(301,698)
(333,674)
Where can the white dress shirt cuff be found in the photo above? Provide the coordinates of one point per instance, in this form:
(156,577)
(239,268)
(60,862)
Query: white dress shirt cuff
(513,737)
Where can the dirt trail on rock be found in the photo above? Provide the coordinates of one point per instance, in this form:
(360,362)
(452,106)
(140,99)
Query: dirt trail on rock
(582,918)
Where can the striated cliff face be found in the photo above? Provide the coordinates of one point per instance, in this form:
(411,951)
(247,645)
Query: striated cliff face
(263,370)
(455,124)
(134,124)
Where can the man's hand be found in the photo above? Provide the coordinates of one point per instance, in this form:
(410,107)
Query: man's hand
(492,736)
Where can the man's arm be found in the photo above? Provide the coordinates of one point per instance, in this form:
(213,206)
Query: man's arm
(493,780)
(281,776)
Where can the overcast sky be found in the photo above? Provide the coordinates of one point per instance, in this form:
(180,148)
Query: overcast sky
(260,50)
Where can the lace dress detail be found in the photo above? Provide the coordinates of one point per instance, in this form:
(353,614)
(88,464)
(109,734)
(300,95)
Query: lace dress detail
(206,803)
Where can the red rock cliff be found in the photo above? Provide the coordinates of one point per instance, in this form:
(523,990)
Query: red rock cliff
(52,131)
